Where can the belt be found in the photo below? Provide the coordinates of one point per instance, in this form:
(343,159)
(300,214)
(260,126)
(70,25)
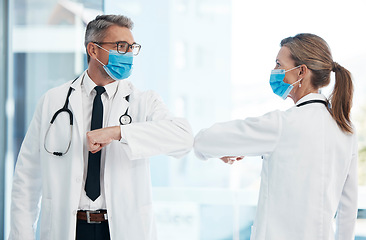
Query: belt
(93,216)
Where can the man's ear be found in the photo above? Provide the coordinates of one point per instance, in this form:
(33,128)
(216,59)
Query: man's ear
(91,48)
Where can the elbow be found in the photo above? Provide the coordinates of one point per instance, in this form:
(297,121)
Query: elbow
(198,147)
(184,137)
(185,146)
(188,138)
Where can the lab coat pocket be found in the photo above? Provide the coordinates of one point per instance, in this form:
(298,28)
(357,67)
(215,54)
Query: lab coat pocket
(46,219)
(253,233)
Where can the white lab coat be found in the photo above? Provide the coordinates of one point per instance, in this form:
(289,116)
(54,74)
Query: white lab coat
(127,174)
(309,170)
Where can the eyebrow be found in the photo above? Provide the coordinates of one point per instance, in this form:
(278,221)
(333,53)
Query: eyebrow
(126,42)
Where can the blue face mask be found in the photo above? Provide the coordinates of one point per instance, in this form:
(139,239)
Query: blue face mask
(278,86)
(119,65)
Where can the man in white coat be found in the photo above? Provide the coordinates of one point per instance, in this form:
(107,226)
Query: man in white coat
(57,167)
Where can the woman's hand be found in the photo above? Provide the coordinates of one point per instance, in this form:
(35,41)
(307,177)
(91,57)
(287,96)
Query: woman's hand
(231,159)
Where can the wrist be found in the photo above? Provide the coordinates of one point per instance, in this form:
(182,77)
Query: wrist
(117,133)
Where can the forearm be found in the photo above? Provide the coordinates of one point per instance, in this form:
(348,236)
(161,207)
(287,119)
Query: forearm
(249,137)
(168,136)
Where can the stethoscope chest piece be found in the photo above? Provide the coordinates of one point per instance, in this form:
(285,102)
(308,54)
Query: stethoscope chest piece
(125,119)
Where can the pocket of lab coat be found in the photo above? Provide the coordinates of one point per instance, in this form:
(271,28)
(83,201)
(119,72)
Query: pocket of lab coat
(46,221)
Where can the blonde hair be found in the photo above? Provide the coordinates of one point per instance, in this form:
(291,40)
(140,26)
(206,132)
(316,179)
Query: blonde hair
(315,53)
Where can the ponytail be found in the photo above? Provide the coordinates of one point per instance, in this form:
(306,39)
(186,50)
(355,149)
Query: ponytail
(341,97)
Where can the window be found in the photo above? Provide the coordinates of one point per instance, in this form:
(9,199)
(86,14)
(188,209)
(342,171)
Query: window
(3,89)
(47,50)
(210,61)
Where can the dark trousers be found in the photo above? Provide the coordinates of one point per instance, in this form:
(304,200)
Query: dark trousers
(92,231)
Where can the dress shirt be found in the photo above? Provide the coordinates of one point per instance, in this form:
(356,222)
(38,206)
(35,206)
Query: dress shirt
(88,94)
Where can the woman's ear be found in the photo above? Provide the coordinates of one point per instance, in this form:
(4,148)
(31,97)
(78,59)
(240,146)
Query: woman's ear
(303,70)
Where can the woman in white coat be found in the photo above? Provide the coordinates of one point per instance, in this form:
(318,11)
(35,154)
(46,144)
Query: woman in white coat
(309,173)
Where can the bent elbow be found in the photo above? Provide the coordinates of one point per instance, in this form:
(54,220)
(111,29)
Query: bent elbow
(186,138)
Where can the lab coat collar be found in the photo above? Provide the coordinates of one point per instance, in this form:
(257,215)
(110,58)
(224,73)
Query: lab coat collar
(89,85)
(312,96)
(77,82)
(75,104)
(122,87)
(120,103)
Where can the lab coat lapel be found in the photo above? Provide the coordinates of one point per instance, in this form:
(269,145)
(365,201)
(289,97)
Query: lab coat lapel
(120,104)
(76,105)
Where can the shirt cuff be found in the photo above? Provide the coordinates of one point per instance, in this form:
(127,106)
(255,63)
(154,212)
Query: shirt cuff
(122,140)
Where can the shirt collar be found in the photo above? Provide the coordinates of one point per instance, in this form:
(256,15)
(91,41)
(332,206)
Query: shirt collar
(89,85)
(312,96)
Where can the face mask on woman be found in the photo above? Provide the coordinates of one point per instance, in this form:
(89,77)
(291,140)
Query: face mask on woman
(278,86)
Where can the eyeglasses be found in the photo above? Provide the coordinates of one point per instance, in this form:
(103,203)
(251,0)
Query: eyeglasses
(123,47)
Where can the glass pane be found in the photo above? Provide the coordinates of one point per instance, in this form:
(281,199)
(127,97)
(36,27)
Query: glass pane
(47,50)
(4,36)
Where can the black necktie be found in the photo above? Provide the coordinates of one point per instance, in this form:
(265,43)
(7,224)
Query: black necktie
(92,184)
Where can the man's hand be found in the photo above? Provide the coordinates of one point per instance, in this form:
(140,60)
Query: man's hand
(231,159)
(99,138)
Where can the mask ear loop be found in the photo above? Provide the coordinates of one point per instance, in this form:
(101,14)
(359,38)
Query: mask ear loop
(104,50)
(101,47)
(297,82)
(100,62)
(292,68)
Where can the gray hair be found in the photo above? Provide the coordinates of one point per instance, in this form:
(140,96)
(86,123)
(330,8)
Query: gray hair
(96,29)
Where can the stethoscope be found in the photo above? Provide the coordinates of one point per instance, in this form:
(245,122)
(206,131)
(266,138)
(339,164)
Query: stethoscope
(314,101)
(123,120)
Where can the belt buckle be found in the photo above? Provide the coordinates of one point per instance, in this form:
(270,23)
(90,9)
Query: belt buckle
(88,212)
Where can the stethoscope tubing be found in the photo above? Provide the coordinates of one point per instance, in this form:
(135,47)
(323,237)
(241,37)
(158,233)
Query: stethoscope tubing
(57,153)
(123,120)
(71,116)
